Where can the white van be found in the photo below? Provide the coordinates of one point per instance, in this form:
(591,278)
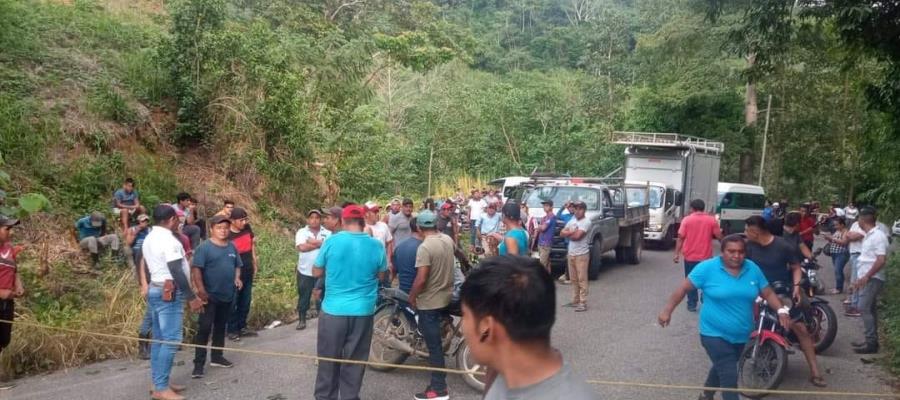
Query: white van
(737,202)
(507,186)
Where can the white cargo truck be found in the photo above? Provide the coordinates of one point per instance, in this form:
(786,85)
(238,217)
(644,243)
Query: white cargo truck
(678,169)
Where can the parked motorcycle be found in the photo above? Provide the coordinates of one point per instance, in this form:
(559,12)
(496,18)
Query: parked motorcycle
(395,337)
(822,321)
(763,362)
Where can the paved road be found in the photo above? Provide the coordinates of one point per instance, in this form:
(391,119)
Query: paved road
(617,339)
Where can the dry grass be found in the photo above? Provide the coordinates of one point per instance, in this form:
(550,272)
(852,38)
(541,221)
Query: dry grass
(465,183)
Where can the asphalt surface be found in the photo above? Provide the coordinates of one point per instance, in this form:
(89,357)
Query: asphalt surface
(617,339)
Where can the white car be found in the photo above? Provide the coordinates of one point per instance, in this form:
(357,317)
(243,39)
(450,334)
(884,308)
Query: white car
(895,230)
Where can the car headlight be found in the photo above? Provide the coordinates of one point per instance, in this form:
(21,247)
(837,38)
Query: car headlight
(655,227)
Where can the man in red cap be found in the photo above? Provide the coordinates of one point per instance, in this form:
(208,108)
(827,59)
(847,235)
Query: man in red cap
(353,263)
(447,222)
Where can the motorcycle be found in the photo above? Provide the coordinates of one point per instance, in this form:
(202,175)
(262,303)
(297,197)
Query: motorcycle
(822,320)
(395,337)
(763,361)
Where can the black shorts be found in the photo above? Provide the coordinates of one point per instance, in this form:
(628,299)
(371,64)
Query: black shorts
(7,312)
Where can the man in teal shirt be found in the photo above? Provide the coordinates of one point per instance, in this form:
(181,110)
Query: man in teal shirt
(353,263)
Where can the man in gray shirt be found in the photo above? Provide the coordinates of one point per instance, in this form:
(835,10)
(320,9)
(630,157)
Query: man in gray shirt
(509,306)
(399,222)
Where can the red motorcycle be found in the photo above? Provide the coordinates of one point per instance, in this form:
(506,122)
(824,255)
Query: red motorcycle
(763,362)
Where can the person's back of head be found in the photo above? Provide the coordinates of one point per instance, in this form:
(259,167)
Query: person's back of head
(792,219)
(698,205)
(517,293)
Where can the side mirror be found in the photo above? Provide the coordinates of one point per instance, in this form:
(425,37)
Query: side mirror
(679,198)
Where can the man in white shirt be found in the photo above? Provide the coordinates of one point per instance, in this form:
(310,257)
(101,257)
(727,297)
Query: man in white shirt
(308,240)
(381,232)
(476,208)
(853,240)
(166,289)
(870,280)
(579,253)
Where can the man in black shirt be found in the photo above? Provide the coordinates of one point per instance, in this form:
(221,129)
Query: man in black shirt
(792,234)
(779,260)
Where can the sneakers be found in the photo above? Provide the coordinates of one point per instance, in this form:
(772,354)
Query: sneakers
(852,312)
(301,325)
(221,363)
(868,349)
(431,394)
(581,308)
(248,333)
(570,305)
(234,337)
(198,372)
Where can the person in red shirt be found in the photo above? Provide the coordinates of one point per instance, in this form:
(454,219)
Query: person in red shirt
(10,283)
(807,225)
(695,237)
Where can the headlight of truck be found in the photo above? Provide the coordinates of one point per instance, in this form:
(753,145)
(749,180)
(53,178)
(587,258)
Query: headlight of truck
(655,227)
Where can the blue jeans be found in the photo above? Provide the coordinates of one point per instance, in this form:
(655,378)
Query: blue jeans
(724,356)
(242,299)
(146,327)
(854,268)
(430,322)
(839,261)
(691,295)
(167,326)
(473,233)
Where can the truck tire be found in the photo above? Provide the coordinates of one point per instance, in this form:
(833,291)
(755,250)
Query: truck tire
(669,241)
(596,259)
(633,255)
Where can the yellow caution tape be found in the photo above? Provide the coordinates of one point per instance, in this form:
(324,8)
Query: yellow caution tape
(452,371)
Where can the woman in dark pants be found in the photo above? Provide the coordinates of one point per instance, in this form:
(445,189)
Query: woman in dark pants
(730,285)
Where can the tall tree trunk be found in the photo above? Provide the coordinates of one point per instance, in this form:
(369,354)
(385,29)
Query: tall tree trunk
(751,115)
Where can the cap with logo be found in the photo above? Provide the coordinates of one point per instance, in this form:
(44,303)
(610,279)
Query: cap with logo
(447,205)
(314,211)
(353,211)
(426,219)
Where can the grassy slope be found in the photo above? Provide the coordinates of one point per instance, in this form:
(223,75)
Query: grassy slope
(83,102)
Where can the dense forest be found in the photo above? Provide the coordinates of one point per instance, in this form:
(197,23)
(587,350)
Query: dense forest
(286,104)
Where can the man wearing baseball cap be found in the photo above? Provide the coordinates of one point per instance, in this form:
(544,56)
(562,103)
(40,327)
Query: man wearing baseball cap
(10,283)
(447,222)
(431,292)
(332,220)
(308,241)
(578,254)
(353,263)
(93,236)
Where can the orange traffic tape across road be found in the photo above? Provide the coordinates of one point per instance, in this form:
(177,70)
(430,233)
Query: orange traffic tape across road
(456,371)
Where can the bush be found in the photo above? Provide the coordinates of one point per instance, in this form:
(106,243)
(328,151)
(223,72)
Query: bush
(890,314)
(106,102)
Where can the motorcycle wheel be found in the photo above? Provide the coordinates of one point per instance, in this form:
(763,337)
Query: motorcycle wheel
(765,371)
(465,362)
(386,325)
(823,326)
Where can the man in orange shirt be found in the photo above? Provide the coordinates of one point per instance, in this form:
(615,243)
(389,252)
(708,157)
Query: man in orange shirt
(695,237)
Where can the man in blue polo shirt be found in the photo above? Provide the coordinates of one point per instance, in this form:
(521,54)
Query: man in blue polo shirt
(352,263)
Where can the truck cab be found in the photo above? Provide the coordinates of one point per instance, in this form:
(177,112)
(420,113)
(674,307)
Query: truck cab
(617,216)
(664,203)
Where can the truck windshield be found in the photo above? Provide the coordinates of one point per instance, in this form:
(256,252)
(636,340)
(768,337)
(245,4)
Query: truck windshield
(561,194)
(637,196)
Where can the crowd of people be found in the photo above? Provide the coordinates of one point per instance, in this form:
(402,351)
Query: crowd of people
(347,253)
(770,251)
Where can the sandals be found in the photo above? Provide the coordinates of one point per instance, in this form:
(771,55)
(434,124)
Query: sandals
(818,381)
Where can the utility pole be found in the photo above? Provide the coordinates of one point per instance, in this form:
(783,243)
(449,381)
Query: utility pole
(762,164)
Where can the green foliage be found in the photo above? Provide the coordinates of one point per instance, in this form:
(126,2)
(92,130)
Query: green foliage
(105,101)
(890,314)
(32,203)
